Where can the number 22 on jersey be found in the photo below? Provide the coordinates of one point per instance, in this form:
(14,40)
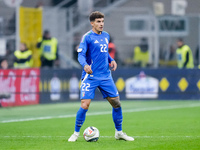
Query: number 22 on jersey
(85,86)
(103,47)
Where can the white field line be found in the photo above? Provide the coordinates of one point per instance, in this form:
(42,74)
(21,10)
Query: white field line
(144,136)
(105,112)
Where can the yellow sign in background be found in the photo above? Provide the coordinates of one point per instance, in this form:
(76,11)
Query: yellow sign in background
(30,29)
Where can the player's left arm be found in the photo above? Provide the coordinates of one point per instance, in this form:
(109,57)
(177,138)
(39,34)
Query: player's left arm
(112,62)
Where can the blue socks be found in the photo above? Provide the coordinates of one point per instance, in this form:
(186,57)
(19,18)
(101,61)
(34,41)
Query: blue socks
(80,118)
(116,114)
(117,118)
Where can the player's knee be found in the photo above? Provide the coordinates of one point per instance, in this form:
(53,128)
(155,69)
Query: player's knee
(115,102)
(118,103)
(85,104)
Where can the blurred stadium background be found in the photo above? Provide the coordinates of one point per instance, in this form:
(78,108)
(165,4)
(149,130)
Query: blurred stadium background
(160,22)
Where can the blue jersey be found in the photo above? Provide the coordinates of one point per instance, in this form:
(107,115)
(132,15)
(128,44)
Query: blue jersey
(93,51)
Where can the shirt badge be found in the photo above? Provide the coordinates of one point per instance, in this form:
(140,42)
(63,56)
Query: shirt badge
(106,40)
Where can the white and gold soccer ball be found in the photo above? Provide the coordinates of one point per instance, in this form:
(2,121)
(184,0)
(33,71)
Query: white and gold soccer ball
(91,134)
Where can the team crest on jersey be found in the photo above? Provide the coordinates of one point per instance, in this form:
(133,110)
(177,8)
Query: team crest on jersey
(83,94)
(106,40)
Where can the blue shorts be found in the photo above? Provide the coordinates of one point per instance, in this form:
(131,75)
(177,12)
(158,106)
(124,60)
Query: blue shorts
(107,88)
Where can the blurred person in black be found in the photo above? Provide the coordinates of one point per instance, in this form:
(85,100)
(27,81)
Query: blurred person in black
(3,65)
(48,49)
(197,57)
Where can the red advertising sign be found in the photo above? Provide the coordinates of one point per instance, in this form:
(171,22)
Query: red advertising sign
(22,84)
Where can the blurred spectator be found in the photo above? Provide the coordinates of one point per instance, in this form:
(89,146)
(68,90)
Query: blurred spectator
(39,4)
(23,57)
(49,50)
(3,63)
(172,52)
(10,49)
(111,48)
(184,55)
(167,56)
(75,53)
(141,54)
(197,55)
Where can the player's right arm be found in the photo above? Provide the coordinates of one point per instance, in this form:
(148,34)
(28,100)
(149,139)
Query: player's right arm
(82,55)
(88,69)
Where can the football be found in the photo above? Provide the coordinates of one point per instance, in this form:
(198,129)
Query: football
(91,134)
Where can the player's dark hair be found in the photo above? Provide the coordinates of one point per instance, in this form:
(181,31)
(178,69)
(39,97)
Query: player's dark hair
(94,15)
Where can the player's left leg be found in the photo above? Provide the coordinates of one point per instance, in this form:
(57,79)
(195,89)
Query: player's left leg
(109,91)
(118,118)
(116,112)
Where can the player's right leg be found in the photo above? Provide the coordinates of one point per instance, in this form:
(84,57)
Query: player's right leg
(87,93)
(80,118)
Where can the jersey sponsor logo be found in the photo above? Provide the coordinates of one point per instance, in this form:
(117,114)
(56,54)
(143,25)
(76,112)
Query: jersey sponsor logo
(96,41)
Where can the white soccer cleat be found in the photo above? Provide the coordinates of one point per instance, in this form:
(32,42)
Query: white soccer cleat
(119,135)
(74,137)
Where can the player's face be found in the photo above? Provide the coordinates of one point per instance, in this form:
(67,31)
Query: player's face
(97,25)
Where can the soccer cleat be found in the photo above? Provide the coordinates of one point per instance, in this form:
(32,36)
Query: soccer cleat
(119,135)
(74,137)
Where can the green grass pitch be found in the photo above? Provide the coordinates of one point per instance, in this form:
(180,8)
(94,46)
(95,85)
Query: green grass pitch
(155,125)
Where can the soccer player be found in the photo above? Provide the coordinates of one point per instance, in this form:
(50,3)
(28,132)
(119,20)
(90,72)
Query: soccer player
(94,57)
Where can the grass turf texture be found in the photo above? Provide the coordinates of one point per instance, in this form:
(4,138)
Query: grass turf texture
(153,124)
